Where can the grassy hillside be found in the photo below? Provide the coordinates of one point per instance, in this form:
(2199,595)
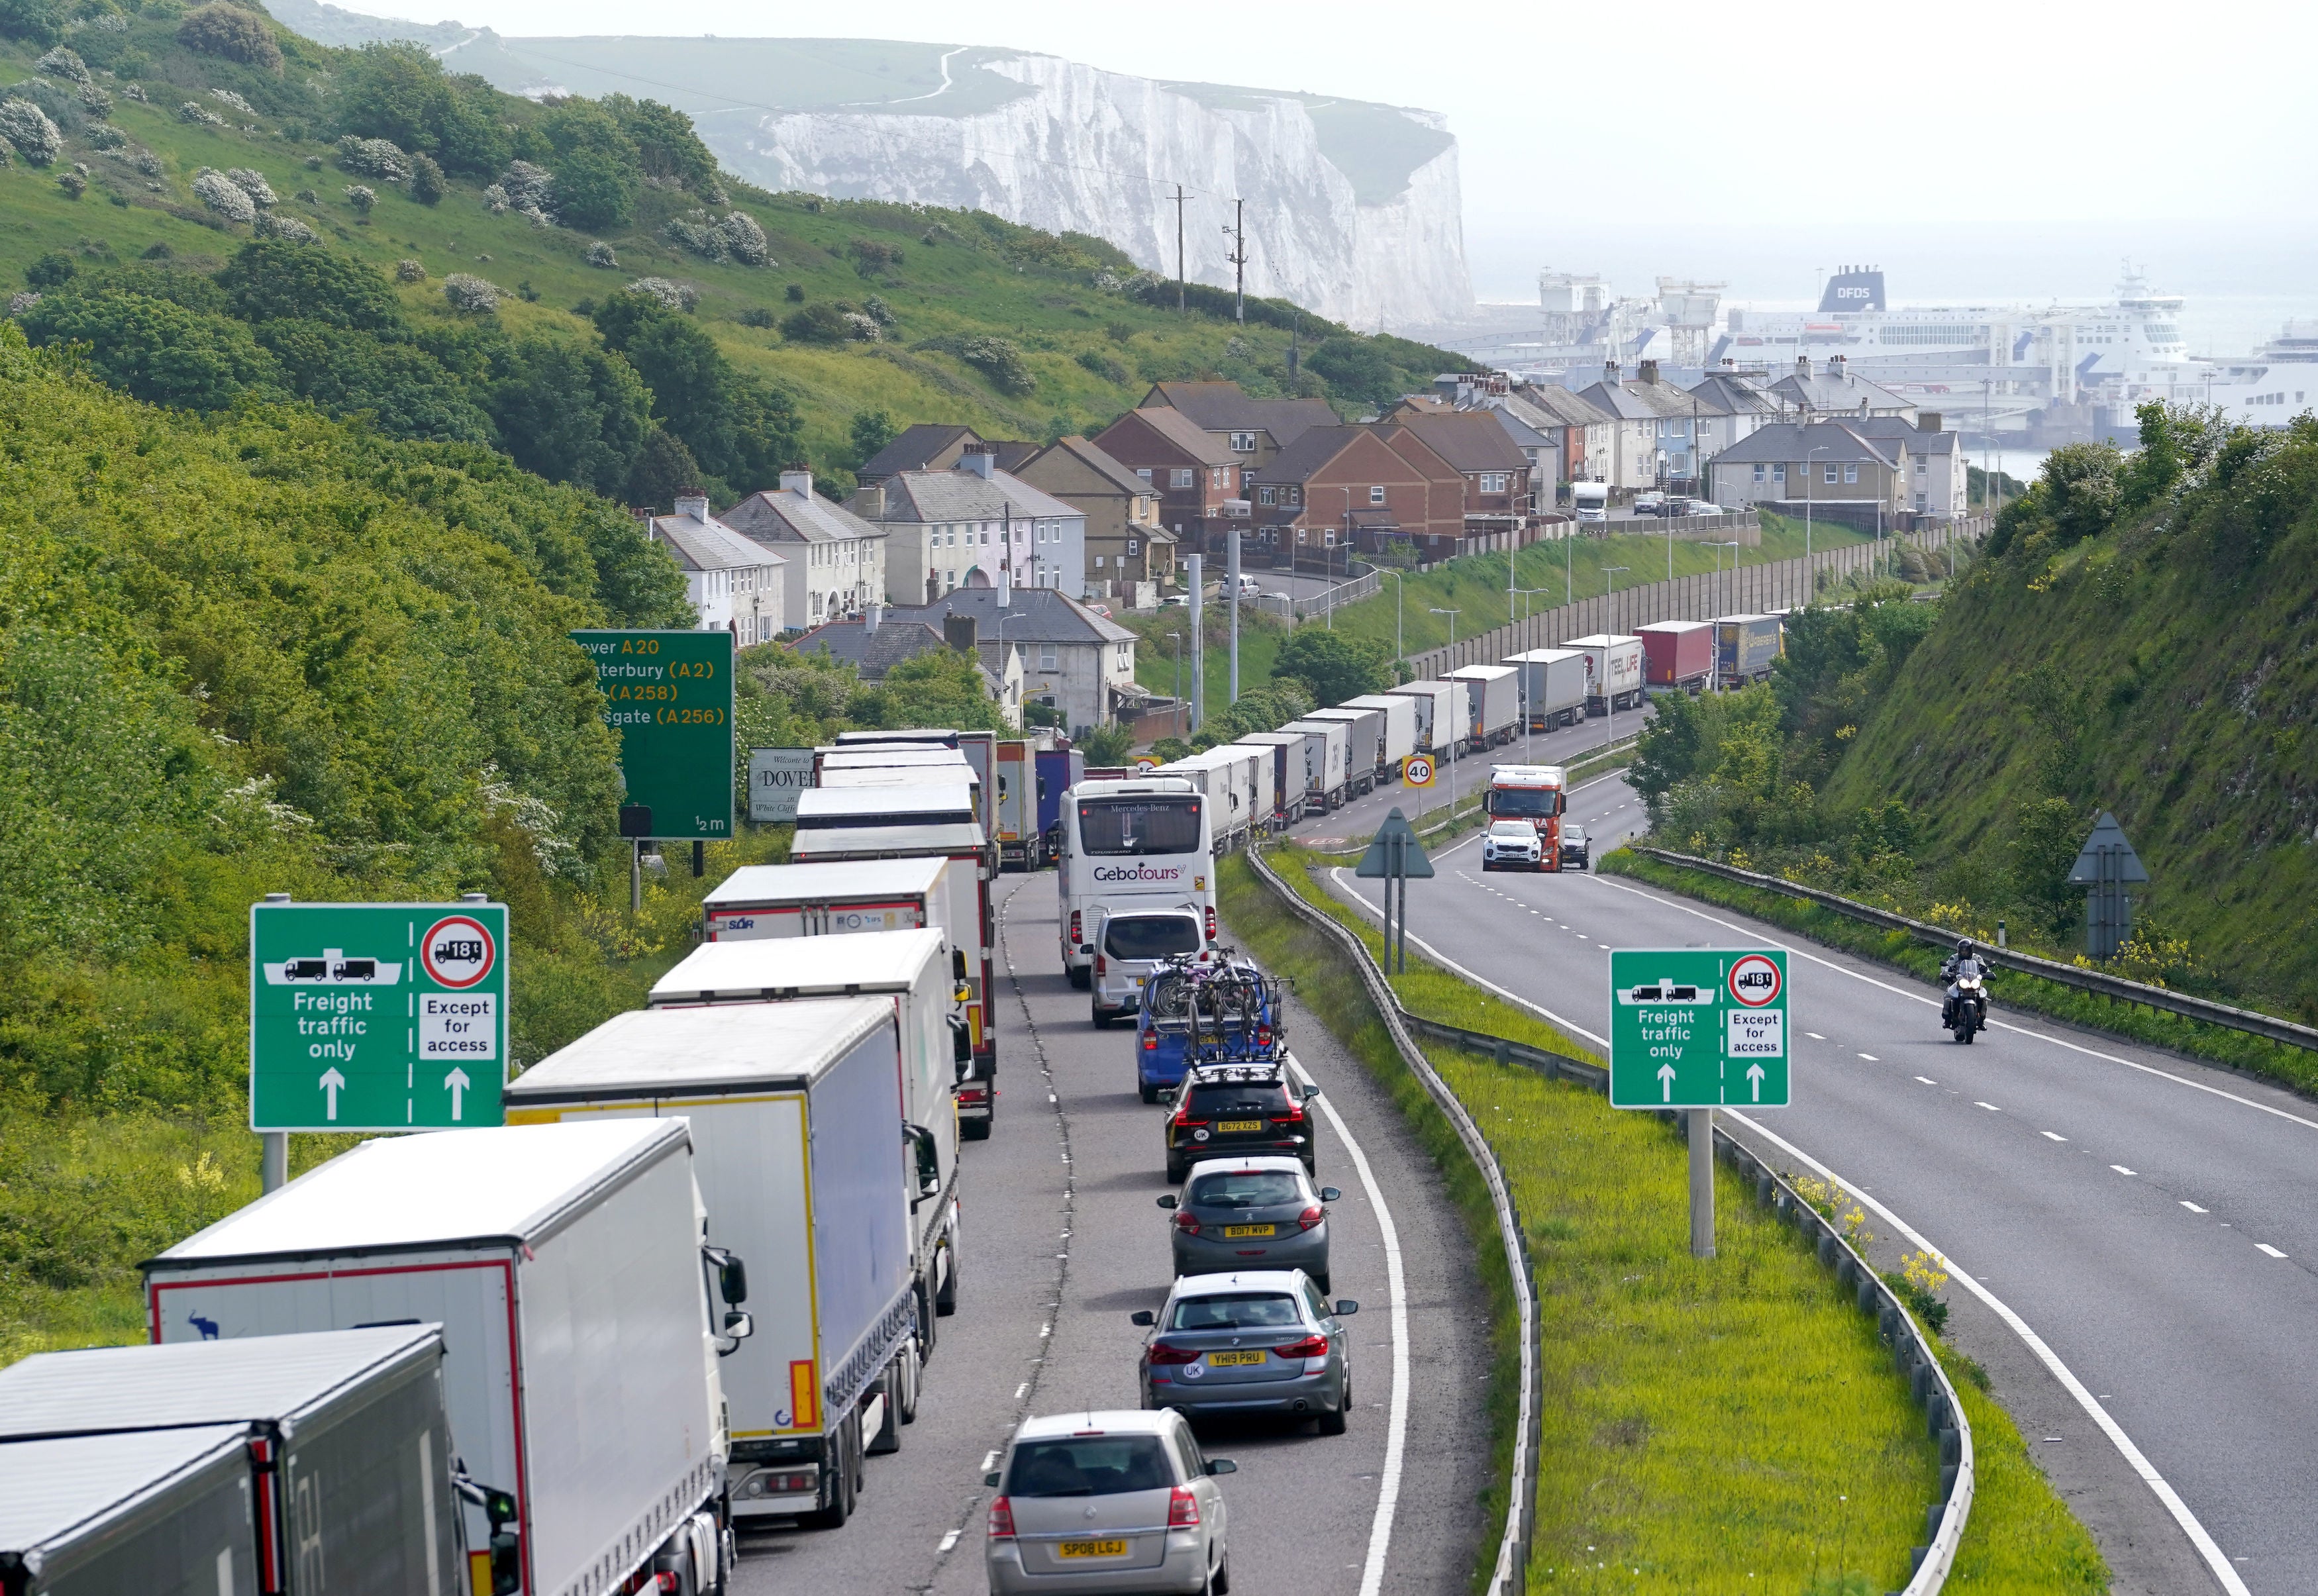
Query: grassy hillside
(1079,332)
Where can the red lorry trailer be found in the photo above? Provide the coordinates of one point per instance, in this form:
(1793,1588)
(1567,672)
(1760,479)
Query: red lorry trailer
(1677,654)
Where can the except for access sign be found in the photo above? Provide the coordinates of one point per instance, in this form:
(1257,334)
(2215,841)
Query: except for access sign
(376,1016)
(1694,1027)
(668,695)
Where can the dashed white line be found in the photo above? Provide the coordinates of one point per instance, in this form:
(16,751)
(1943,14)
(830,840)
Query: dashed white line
(1814,1036)
(1871,1058)
(2266,1247)
(948,1539)
(2120,1169)
(2194,1209)
(1991,1107)
(2052,1135)
(1021,1391)
(1927,1080)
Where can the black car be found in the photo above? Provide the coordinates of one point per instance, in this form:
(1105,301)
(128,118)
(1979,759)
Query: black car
(1236,1110)
(1575,849)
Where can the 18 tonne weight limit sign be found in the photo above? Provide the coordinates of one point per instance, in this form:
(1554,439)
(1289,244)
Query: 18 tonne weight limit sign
(376,1016)
(670,697)
(1696,1027)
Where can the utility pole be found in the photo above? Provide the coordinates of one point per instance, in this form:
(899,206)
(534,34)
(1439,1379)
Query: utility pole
(1238,231)
(1455,742)
(1198,645)
(1232,573)
(1180,309)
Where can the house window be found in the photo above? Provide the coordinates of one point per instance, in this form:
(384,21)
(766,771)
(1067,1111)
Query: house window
(1778,473)
(1143,471)
(1263,495)
(1831,471)
(1295,494)
(1243,443)
(1182,476)
(1922,465)
(1376,496)
(1759,470)
(1134,545)
(1046,655)
(1851,473)
(1098,562)
(1329,537)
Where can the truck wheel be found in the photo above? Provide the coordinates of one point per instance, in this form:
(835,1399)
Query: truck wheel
(910,1378)
(946,1298)
(977,1130)
(836,1469)
(888,1435)
(1150,1093)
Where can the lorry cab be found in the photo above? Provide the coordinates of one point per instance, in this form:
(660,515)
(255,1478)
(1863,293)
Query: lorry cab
(1534,793)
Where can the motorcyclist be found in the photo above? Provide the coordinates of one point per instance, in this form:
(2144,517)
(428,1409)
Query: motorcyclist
(1963,964)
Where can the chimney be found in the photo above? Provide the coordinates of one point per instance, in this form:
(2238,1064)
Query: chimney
(797,482)
(980,462)
(1609,371)
(870,503)
(692,502)
(1005,578)
(1928,421)
(960,632)
(1836,365)
(1803,367)
(1649,371)
(870,615)
(1730,362)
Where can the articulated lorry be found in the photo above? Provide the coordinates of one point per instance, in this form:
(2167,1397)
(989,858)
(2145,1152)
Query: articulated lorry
(1398,737)
(1327,763)
(1613,671)
(1495,701)
(796,1112)
(1443,716)
(297,1464)
(1678,654)
(979,749)
(1364,761)
(568,1268)
(1553,686)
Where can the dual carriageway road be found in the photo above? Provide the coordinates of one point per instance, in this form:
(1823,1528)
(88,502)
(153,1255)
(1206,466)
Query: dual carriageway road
(2149,1221)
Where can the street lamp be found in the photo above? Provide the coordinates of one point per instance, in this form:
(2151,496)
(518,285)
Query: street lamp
(1399,652)
(1734,546)
(1808,468)
(1176,638)
(1453,615)
(1608,697)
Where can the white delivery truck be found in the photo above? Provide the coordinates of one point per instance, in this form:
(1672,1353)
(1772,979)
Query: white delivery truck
(910,971)
(1327,766)
(1130,845)
(1363,745)
(1443,722)
(1553,686)
(1290,783)
(340,1474)
(795,1114)
(1400,712)
(966,917)
(887,804)
(1259,772)
(979,747)
(104,1515)
(567,1266)
(1613,671)
(1494,694)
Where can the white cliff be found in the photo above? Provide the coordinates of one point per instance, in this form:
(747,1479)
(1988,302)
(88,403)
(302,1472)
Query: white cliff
(1096,152)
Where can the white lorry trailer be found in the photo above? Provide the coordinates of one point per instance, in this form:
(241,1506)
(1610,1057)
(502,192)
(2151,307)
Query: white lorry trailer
(1327,766)
(980,749)
(1289,782)
(910,971)
(1364,765)
(1553,686)
(1399,734)
(795,1114)
(346,1465)
(1613,671)
(887,804)
(1494,696)
(1443,722)
(567,1268)
(968,919)
(1259,773)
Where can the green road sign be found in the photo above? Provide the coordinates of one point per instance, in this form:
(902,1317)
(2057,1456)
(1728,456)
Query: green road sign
(376,1016)
(1694,1027)
(670,697)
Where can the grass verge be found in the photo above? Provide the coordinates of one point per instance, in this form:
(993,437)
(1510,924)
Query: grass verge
(1708,1422)
(2292,1067)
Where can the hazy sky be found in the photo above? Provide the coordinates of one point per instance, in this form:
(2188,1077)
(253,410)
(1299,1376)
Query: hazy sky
(1589,132)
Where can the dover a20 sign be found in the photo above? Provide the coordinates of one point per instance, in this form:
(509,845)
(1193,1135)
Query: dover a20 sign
(1694,1027)
(376,1016)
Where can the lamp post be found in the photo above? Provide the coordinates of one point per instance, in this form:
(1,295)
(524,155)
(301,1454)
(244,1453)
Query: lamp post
(1176,638)
(1526,751)
(1453,615)
(1808,468)
(1608,697)
(1734,546)
(1399,652)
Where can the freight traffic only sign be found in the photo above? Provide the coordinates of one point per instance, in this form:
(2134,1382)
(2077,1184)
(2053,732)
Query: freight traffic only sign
(1694,1027)
(668,696)
(376,1016)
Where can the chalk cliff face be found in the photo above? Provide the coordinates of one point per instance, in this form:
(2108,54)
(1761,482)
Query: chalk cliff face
(1346,212)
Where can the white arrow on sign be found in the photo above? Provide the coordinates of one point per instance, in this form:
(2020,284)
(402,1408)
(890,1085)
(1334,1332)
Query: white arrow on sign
(1665,1083)
(331,1083)
(458,1082)
(1755,1080)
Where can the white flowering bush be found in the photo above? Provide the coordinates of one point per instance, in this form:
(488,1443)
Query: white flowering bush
(22,300)
(224,196)
(735,236)
(410,271)
(199,116)
(600,254)
(864,328)
(105,136)
(287,227)
(253,184)
(496,197)
(30,132)
(675,296)
(373,157)
(134,91)
(62,63)
(471,293)
(95,100)
(228,97)
(362,197)
(147,162)
(529,191)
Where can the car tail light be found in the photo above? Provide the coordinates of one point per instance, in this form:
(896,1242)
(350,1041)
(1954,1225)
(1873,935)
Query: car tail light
(1150,1041)
(1163,1353)
(1311,1346)
(1182,1509)
(1101,965)
(1292,1115)
(1264,1035)
(1187,1221)
(1211,930)
(1309,1217)
(1001,1520)
(1078,938)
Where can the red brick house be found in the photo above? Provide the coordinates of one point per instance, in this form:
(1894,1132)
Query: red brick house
(1358,488)
(1201,484)
(1254,430)
(1476,445)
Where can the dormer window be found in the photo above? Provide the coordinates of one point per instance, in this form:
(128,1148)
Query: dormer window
(1243,443)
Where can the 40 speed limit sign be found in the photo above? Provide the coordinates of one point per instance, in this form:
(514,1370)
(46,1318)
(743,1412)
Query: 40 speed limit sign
(1417,770)
(1694,1027)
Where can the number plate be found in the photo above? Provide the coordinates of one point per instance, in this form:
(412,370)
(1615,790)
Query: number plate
(1091,1548)
(1249,1230)
(1239,1125)
(1230,1360)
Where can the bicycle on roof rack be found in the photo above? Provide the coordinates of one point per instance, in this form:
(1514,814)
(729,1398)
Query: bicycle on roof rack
(1202,1008)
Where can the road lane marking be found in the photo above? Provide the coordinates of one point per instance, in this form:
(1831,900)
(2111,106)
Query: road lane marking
(2120,1169)
(1871,1058)
(2194,1209)
(1993,1023)
(948,1539)
(2164,1492)
(1991,1107)
(2052,1135)
(2266,1247)
(1927,1080)
(1814,1036)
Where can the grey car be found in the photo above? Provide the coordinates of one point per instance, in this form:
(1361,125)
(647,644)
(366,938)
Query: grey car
(1251,1214)
(1117,1501)
(1260,1341)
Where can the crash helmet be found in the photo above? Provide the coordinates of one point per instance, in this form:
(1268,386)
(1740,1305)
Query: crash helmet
(1964,947)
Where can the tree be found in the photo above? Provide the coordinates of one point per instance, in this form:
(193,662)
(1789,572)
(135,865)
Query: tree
(426,178)
(596,167)
(1334,665)
(663,467)
(1106,744)
(39,21)
(939,687)
(1356,368)
(397,92)
(228,31)
(155,350)
(405,392)
(666,148)
(571,413)
(2047,833)
(737,429)
(819,322)
(270,278)
(871,430)
(53,270)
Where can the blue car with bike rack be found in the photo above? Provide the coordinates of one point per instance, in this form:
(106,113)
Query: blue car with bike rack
(1208,1007)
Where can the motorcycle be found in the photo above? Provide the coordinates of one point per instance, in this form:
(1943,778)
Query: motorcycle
(1967,1007)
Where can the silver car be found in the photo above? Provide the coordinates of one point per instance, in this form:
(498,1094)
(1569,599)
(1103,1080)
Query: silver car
(1108,1501)
(1251,1214)
(1134,946)
(1262,1342)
